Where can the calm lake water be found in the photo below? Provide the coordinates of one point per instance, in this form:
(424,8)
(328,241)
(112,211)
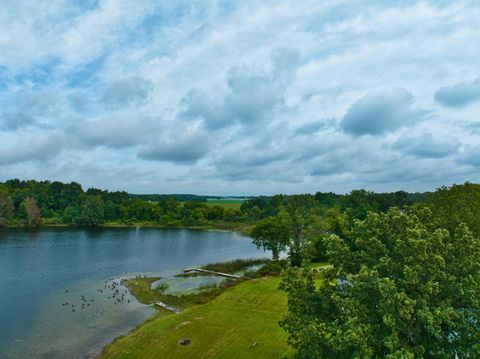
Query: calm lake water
(55,301)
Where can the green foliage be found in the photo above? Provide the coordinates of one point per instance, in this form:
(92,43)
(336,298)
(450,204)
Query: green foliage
(400,287)
(30,211)
(273,268)
(70,204)
(457,204)
(359,202)
(271,233)
(235,265)
(6,207)
(92,211)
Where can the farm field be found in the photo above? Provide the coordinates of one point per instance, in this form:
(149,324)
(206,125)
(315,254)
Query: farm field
(227,203)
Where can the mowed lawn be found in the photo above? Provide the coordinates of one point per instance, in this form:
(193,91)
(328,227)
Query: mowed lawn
(240,323)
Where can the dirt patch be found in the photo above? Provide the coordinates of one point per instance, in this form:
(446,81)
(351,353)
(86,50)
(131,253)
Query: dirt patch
(185,341)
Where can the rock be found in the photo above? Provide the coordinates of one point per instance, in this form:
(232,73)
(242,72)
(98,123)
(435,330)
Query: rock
(184,341)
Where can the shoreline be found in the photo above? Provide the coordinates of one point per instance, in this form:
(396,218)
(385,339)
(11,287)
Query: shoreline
(150,298)
(239,227)
(130,233)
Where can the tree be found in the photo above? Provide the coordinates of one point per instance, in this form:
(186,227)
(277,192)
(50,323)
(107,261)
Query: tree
(71,214)
(456,204)
(93,212)
(403,289)
(298,214)
(32,211)
(6,208)
(271,234)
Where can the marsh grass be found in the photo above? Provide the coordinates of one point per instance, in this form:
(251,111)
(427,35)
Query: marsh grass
(141,289)
(235,266)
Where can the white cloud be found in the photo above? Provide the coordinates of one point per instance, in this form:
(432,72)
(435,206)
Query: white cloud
(240,97)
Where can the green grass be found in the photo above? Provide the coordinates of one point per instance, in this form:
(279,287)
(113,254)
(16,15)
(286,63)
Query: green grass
(242,322)
(234,265)
(140,288)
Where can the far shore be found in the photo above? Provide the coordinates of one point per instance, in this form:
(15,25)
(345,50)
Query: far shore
(239,227)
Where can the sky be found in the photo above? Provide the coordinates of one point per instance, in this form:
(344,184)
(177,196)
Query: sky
(240,97)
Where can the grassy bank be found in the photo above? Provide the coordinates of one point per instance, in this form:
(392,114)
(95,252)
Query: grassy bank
(236,266)
(240,322)
(140,288)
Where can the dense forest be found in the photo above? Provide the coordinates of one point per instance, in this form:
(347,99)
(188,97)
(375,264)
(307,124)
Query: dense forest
(399,281)
(33,203)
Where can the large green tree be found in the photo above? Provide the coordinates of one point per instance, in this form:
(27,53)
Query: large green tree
(93,211)
(400,287)
(6,207)
(271,234)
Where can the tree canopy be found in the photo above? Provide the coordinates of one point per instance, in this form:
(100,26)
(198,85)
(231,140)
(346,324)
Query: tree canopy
(271,234)
(402,286)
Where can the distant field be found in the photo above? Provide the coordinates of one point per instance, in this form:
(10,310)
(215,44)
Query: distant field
(240,323)
(227,203)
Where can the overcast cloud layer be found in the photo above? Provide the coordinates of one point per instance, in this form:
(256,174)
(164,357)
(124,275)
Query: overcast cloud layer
(241,97)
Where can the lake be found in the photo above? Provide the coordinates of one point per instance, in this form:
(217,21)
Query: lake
(55,301)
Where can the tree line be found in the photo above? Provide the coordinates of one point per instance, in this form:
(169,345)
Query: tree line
(400,281)
(33,203)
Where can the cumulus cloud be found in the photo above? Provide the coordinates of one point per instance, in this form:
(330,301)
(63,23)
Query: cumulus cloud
(378,113)
(15,121)
(470,156)
(314,126)
(32,149)
(181,147)
(126,92)
(115,131)
(198,105)
(459,95)
(252,95)
(427,145)
(258,97)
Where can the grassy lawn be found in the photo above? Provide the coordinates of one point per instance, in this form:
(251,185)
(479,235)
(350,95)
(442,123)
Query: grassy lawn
(242,322)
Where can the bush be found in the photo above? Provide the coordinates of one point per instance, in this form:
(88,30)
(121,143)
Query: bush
(273,268)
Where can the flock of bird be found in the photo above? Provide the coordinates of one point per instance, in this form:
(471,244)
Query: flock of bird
(112,286)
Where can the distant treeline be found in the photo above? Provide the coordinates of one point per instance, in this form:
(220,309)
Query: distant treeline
(181,197)
(44,202)
(162,197)
(357,203)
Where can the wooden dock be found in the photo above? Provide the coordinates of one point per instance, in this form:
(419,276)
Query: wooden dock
(211,272)
(167,307)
